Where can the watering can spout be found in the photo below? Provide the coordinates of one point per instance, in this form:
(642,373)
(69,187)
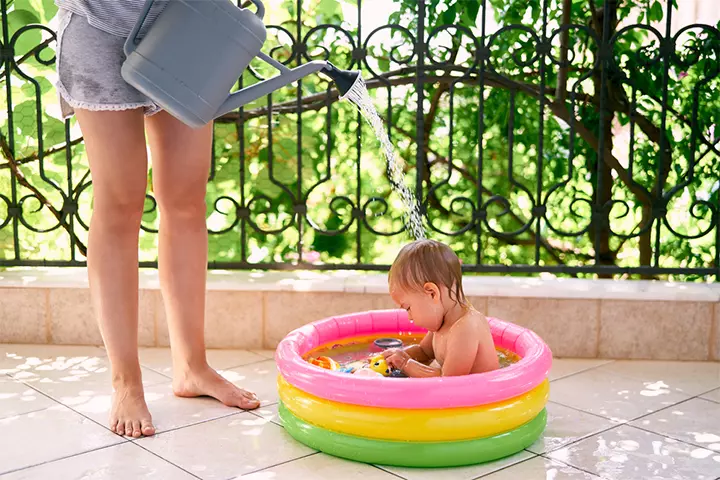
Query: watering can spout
(344,80)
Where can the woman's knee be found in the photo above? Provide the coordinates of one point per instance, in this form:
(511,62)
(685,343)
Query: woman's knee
(119,212)
(183,203)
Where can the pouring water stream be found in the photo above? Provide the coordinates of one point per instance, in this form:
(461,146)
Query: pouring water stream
(358,94)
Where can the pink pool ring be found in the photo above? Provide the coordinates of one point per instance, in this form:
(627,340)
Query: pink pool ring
(409,393)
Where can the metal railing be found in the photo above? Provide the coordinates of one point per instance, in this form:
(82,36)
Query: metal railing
(561,138)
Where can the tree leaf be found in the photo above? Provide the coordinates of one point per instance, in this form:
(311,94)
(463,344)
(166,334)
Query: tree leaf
(449,15)
(27,40)
(29,89)
(49,9)
(472,8)
(656,12)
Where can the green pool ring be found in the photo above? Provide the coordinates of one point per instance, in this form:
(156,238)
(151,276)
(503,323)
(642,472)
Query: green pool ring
(413,454)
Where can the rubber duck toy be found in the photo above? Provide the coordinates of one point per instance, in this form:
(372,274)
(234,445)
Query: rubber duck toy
(378,364)
(325,362)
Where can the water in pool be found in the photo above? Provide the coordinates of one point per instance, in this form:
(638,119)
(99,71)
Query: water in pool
(360,349)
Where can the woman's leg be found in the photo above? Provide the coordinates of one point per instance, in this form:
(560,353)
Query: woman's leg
(181,163)
(115,143)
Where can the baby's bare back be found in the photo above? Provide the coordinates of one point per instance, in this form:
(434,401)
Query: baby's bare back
(475,328)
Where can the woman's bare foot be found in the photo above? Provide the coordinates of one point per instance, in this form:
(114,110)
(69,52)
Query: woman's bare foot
(204,381)
(130,415)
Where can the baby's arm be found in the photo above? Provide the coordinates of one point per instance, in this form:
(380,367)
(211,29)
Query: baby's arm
(413,360)
(423,352)
(462,349)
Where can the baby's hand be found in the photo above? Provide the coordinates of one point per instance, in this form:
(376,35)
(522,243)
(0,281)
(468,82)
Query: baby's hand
(388,352)
(396,358)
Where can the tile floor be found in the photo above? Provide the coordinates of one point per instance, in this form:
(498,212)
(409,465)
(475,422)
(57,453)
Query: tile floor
(621,420)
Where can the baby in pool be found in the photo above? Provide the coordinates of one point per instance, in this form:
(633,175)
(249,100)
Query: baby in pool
(426,280)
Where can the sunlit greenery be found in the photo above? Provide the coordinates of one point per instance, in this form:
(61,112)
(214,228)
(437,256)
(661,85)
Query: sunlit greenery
(672,169)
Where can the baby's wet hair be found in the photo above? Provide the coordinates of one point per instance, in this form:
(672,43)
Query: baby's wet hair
(424,261)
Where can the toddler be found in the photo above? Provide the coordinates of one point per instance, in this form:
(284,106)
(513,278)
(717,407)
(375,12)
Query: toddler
(426,280)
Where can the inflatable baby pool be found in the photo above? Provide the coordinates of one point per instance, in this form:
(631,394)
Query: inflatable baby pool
(412,422)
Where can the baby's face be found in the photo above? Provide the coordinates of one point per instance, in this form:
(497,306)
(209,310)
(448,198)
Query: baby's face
(424,307)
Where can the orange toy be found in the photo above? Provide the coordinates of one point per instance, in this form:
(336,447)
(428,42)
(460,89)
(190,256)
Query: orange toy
(325,362)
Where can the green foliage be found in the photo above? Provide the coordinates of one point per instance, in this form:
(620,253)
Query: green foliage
(672,167)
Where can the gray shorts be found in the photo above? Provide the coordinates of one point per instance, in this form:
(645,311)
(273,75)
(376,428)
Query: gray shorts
(88,69)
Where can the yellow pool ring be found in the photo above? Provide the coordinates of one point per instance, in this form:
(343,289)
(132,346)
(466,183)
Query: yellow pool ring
(418,425)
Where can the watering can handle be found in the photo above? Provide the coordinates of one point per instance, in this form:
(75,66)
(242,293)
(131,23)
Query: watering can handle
(260,8)
(131,42)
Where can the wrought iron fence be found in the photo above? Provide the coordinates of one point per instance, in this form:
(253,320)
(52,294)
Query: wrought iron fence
(539,136)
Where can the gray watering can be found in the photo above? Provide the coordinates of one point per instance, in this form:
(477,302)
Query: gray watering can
(195,51)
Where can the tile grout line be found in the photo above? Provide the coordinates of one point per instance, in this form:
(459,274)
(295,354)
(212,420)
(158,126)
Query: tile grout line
(30,386)
(709,399)
(254,362)
(277,464)
(609,361)
(31,411)
(572,466)
(534,455)
(666,407)
(580,439)
(63,458)
(577,409)
(156,371)
(195,424)
(58,402)
(692,444)
(254,412)
(72,410)
(637,379)
(123,442)
(709,391)
(626,424)
(581,410)
(165,460)
(386,471)
(622,424)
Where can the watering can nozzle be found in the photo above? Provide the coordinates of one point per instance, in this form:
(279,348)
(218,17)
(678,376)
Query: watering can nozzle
(344,79)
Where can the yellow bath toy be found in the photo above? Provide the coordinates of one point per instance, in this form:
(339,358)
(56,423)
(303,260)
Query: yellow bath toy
(378,364)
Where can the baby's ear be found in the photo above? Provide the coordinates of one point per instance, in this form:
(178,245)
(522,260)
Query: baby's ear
(432,290)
